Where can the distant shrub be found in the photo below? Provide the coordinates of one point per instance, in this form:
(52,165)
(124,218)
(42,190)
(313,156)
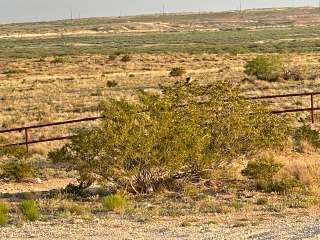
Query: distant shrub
(114,203)
(112,57)
(142,144)
(112,83)
(292,73)
(177,72)
(264,68)
(17,169)
(126,58)
(29,210)
(57,60)
(4,209)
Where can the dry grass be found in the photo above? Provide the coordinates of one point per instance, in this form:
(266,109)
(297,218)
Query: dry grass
(43,91)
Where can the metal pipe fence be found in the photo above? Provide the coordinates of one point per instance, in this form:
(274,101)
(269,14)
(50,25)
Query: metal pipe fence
(27,141)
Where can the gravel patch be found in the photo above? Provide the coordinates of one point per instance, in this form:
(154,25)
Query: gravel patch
(117,228)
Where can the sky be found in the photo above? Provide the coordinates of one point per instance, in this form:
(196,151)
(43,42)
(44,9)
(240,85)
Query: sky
(44,10)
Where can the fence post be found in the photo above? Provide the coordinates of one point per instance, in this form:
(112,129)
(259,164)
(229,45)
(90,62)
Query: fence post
(26,139)
(312,108)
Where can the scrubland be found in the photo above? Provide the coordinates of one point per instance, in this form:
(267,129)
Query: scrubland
(181,153)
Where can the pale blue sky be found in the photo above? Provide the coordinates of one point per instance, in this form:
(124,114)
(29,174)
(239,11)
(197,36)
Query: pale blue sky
(38,10)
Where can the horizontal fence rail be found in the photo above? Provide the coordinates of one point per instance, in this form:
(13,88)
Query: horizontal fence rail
(28,142)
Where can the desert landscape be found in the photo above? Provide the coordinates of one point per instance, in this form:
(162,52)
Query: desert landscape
(182,151)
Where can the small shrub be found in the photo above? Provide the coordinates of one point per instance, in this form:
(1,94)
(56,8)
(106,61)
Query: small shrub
(114,203)
(262,201)
(177,72)
(112,83)
(261,169)
(29,210)
(4,209)
(305,133)
(293,73)
(264,68)
(126,58)
(18,170)
(283,185)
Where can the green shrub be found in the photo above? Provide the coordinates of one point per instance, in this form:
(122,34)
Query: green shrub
(177,72)
(143,144)
(17,169)
(306,133)
(264,68)
(114,203)
(4,209)
(29,210)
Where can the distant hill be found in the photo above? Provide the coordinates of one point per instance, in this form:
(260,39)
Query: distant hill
(254,18)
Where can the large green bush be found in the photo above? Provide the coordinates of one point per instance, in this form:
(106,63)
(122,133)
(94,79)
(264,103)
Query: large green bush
(185,130)
(265,68)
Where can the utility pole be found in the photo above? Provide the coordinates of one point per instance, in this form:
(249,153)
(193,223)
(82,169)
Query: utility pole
(164,9)
(71,14)
(240,5)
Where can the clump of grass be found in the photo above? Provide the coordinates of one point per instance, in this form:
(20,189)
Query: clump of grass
(114,203)
(4,209)
(177,72)
(29,210)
